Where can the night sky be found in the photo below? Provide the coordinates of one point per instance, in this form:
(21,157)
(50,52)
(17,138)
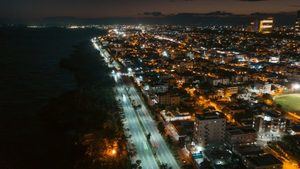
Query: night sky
(31,9)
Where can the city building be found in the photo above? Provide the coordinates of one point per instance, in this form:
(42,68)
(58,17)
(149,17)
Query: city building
(253,26)
(266,161)
(240,135)
(175,115)
(168,98)
(158,87)
(297,24)
(245,151)
(254,157)
(209,128)
(218,81)
(294,130)
(183,71)
(266,26)
(232,90)
(269,122)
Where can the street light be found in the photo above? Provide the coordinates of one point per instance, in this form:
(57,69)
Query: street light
(295,86)
(113,152)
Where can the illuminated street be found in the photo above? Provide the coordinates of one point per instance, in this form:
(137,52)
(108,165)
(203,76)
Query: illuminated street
(163,152)
(138,136)
(144,81)
(140,84)
(138,120)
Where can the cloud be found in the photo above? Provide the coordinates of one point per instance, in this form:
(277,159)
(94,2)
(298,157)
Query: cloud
(155,14)
(295,6)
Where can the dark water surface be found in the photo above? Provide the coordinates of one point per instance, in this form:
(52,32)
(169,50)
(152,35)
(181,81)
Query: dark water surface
(29,62)
(30,75)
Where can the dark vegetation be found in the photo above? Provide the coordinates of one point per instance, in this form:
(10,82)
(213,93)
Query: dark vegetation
(87,119)
(89,116)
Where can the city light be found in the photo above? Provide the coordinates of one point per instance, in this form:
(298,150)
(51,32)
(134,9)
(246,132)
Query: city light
(113,152)
(295,86)
(210,87)
(150,84)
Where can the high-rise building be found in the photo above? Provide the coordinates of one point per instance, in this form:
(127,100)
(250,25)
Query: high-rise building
(209,128)
(297,24)
(269,122)
(266,25)
(253,27)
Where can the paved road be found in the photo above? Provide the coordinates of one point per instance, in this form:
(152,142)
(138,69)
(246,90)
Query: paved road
(163,152)
(131,122)
(140,123)
(138,137)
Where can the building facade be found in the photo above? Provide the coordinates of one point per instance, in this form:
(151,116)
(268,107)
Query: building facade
(297,24)
(240,136)
(266,26)
(209,128)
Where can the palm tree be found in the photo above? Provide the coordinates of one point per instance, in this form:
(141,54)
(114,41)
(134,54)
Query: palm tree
(136,165)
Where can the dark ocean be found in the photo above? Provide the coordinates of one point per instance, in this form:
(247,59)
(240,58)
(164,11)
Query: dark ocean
(30,76)
(30,72)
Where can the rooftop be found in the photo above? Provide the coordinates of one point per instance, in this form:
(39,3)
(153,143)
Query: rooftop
(249,150)
(209,116)
(264,160)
